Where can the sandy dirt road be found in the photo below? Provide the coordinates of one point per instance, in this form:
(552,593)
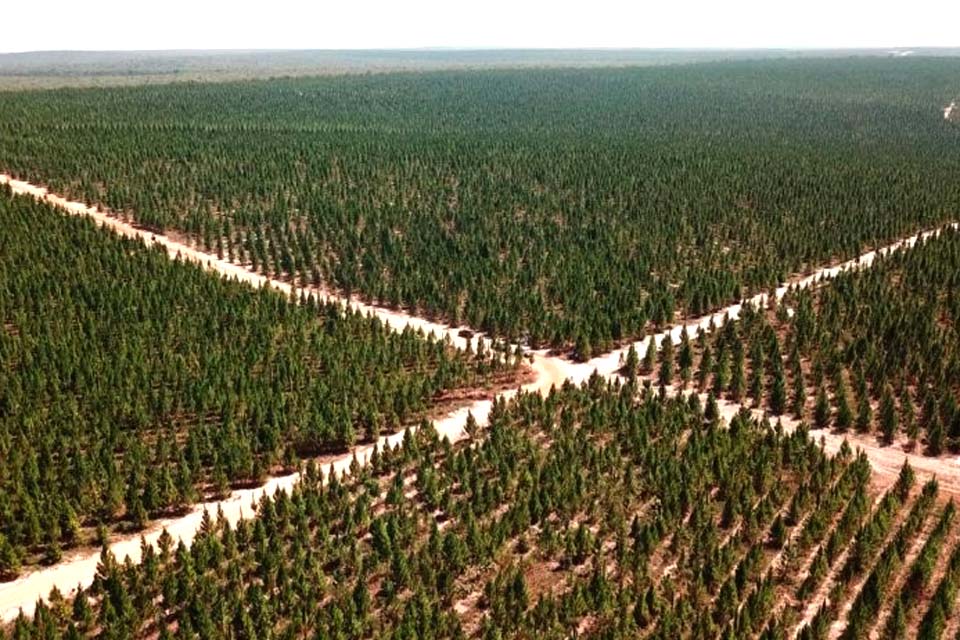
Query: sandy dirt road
(611,362)
(549,371)
(79,568)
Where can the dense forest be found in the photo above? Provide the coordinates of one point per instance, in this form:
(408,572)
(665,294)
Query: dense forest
(558,207)
(874,351)
(575,209)
(132,385)
(587,510)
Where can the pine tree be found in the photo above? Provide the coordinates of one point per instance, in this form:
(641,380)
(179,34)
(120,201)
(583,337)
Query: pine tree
(888,415)
(82,612)
(9,559)
(757,365)
(936,437)
(649,357)
(632,364)
(905,481)
(908,417)
(864,413)
(778,393)
(583,348)
(821,411)
(471,427)
(685,358)
(844,417)
(738,381)
(53,552)
(721,372)
(666,362)
(799,399)
(706,367)
(778,533)
(712,411)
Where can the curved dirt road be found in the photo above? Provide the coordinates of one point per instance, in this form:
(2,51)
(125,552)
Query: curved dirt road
(549,371)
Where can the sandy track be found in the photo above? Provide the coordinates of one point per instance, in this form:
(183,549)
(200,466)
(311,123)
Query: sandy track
(80,568)
(549,371)
(610,362)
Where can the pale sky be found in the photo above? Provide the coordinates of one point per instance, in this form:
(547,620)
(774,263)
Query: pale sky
(356,24)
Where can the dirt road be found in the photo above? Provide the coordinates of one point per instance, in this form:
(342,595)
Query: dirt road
(549,371)
(80,568)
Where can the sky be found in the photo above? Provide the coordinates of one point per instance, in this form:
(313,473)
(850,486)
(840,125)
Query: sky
(384,24)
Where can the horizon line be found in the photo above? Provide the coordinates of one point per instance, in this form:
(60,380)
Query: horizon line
(453,48)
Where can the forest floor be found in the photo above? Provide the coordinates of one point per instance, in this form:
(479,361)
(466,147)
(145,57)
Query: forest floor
(547,371)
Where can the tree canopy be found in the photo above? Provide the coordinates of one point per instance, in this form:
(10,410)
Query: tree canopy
(131,385)
(571,208)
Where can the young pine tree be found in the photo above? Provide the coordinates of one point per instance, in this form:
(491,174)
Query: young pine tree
(905,481)
(888,415)
(821,412)
(706,365)
(9,559)
(584,350)
(685,358)
(632,364)
(666,362)
(738,380)
(799,400)
(908,417)
(936,437)
(778,393)
(844,415)
(712,411)
(864,414)
(721,373)
(757,366)
(649,357)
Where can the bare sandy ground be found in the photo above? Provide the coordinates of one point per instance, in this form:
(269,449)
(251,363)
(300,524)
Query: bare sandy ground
(549,371)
